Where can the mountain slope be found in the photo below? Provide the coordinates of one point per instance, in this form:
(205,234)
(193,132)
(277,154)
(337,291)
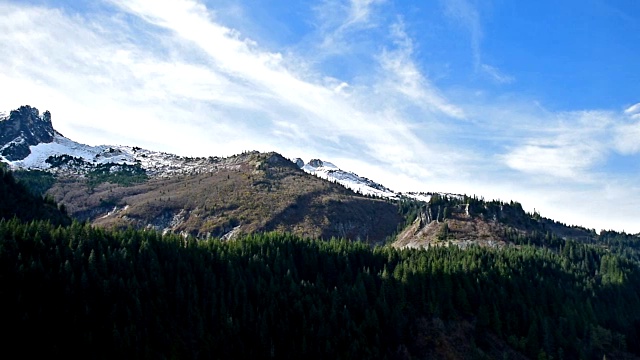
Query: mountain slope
(466,220)
(241,194)
(17,202)
(128,186)
(123,186)
(359,184)
(23,128)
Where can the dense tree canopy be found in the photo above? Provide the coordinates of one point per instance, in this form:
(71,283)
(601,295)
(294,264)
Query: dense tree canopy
(17,201)
(140,294)
(71,289)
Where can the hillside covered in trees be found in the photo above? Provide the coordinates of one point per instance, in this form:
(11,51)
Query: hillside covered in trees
(17,201)
(81,291)
(143,295)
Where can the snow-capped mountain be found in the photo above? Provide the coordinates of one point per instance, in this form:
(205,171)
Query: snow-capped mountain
(63,155)
(329,171)
(29,141)
(23,128)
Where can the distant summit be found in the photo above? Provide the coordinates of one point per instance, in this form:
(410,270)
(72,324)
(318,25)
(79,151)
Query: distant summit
(331,172)
(23,128)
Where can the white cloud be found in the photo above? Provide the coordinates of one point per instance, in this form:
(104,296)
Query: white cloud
(402,75)
(360,11)
(233,93)
(569,151)
(627,138)
(171,76)
(467,15)
(627,132)
(553,159)
(338,20)
(496,74)
(633,109)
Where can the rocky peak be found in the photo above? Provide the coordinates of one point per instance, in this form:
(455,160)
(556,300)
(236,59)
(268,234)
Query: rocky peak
(316,163)
(23,128)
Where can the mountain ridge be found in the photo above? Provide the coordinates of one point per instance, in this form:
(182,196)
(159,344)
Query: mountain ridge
(114,185)
(23,128)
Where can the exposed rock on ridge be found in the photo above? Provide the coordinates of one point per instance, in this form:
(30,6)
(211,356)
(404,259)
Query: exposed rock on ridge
(23,128)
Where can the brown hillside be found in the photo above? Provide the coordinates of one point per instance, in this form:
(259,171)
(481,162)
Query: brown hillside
(481,223)
(461,229)
(246,193)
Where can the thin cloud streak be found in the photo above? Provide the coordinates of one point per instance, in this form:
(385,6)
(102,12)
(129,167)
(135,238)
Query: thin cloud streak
(569,151)
(403,75)
(337,20)
(467,15)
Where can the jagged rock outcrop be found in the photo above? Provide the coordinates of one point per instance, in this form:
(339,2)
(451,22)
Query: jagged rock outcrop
(315,163)
(23,128)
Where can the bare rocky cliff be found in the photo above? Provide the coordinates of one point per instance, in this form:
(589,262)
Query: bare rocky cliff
(24,127)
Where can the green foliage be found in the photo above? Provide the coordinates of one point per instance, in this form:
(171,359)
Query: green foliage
(625,245)
(443,232)
(56,161)
(37,181)
(121,174)
(409,208)
(17,201)
(137,294)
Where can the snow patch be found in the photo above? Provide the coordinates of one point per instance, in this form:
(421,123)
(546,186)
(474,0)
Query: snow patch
(62,146)
(17,141)
(329,171)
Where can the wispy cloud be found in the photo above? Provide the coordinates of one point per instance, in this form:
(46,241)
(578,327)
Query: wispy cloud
(360,11)
(402,74)
(239,90)
(627,134)
(173,76)
(577,142)
(496,74)
(337,20)
(467,15)
(633,110)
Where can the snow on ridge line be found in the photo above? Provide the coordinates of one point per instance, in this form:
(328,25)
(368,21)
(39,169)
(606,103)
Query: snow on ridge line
(165,164)
(329,171)
(155,163)
(100,154)
(363,185)
(62,146)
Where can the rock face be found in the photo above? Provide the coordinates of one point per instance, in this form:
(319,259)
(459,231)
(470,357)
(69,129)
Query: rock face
(316,163)
(23,128)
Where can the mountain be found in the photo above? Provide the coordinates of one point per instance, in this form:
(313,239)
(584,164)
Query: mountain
(362,185)
(551,291)
(463,220)
(240,194)
(359,184)
(122,186)
(23,128)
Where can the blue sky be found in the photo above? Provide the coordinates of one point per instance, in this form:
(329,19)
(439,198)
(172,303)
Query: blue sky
(532,101)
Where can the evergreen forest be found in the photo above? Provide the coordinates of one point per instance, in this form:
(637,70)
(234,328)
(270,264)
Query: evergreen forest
(70,289)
